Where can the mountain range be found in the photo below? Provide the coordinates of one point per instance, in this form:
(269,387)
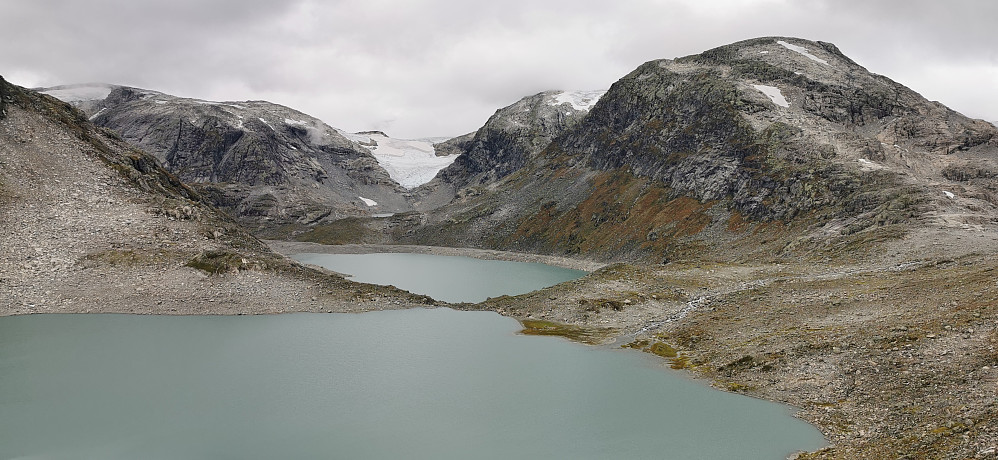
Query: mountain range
(770,216)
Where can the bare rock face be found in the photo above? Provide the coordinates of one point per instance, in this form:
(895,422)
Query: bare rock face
(262,162)
(702,151)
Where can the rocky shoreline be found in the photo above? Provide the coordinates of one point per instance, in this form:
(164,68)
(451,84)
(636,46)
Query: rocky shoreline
(890,359)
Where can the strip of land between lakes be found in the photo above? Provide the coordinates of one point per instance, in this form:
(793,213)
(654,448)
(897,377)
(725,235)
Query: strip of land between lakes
(295,247)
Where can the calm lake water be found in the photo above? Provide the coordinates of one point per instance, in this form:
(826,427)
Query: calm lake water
(413,384)
(446,278)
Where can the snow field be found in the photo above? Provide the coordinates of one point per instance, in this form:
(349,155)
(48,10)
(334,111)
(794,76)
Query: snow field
(802,50)
(77,93)
(411,163)
(774,94)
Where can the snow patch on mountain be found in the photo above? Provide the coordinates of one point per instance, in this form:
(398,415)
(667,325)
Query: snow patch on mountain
(410,162)
(802,50)
(580,100)
(368,201)
(220,104)
(774,94)
(78,93)
(94,116)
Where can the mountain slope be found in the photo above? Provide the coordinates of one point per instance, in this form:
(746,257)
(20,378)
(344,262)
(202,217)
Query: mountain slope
(89,223)
(775,141)
(262,162)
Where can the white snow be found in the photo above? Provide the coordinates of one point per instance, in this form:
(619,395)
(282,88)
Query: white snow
(865,161)
(580,100)
(289,121)
(949,195)
(162,102)
(763,52)
(368,201)
(774,93)
(268,124)
(92,117)
(802,50)
(200,102)
(78,93)
(409,162)
(353,137)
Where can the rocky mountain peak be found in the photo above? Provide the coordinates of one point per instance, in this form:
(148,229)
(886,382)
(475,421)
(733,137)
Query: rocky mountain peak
(506,142)
(696,150)
(263,162)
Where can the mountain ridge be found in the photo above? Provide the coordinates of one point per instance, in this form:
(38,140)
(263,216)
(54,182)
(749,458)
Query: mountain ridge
(790,226)
(852,151)
(92,224)
(264,163)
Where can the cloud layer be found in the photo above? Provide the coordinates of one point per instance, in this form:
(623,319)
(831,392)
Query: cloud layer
(441,67)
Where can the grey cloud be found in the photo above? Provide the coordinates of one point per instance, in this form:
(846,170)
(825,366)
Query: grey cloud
(441,67)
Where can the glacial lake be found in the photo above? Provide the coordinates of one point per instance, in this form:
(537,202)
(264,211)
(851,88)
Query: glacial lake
(411,384)
(447,278)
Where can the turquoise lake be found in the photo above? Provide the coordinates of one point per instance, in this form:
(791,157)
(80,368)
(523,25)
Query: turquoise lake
(411,384)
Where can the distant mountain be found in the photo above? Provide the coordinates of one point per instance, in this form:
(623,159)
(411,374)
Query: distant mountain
(506,142)
(262,162)
(92,224)
(772,145)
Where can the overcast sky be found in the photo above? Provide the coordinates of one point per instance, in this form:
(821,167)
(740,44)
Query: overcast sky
(442,67)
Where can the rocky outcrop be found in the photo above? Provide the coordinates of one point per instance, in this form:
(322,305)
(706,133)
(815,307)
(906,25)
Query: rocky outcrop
(3,98)
(262,162)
